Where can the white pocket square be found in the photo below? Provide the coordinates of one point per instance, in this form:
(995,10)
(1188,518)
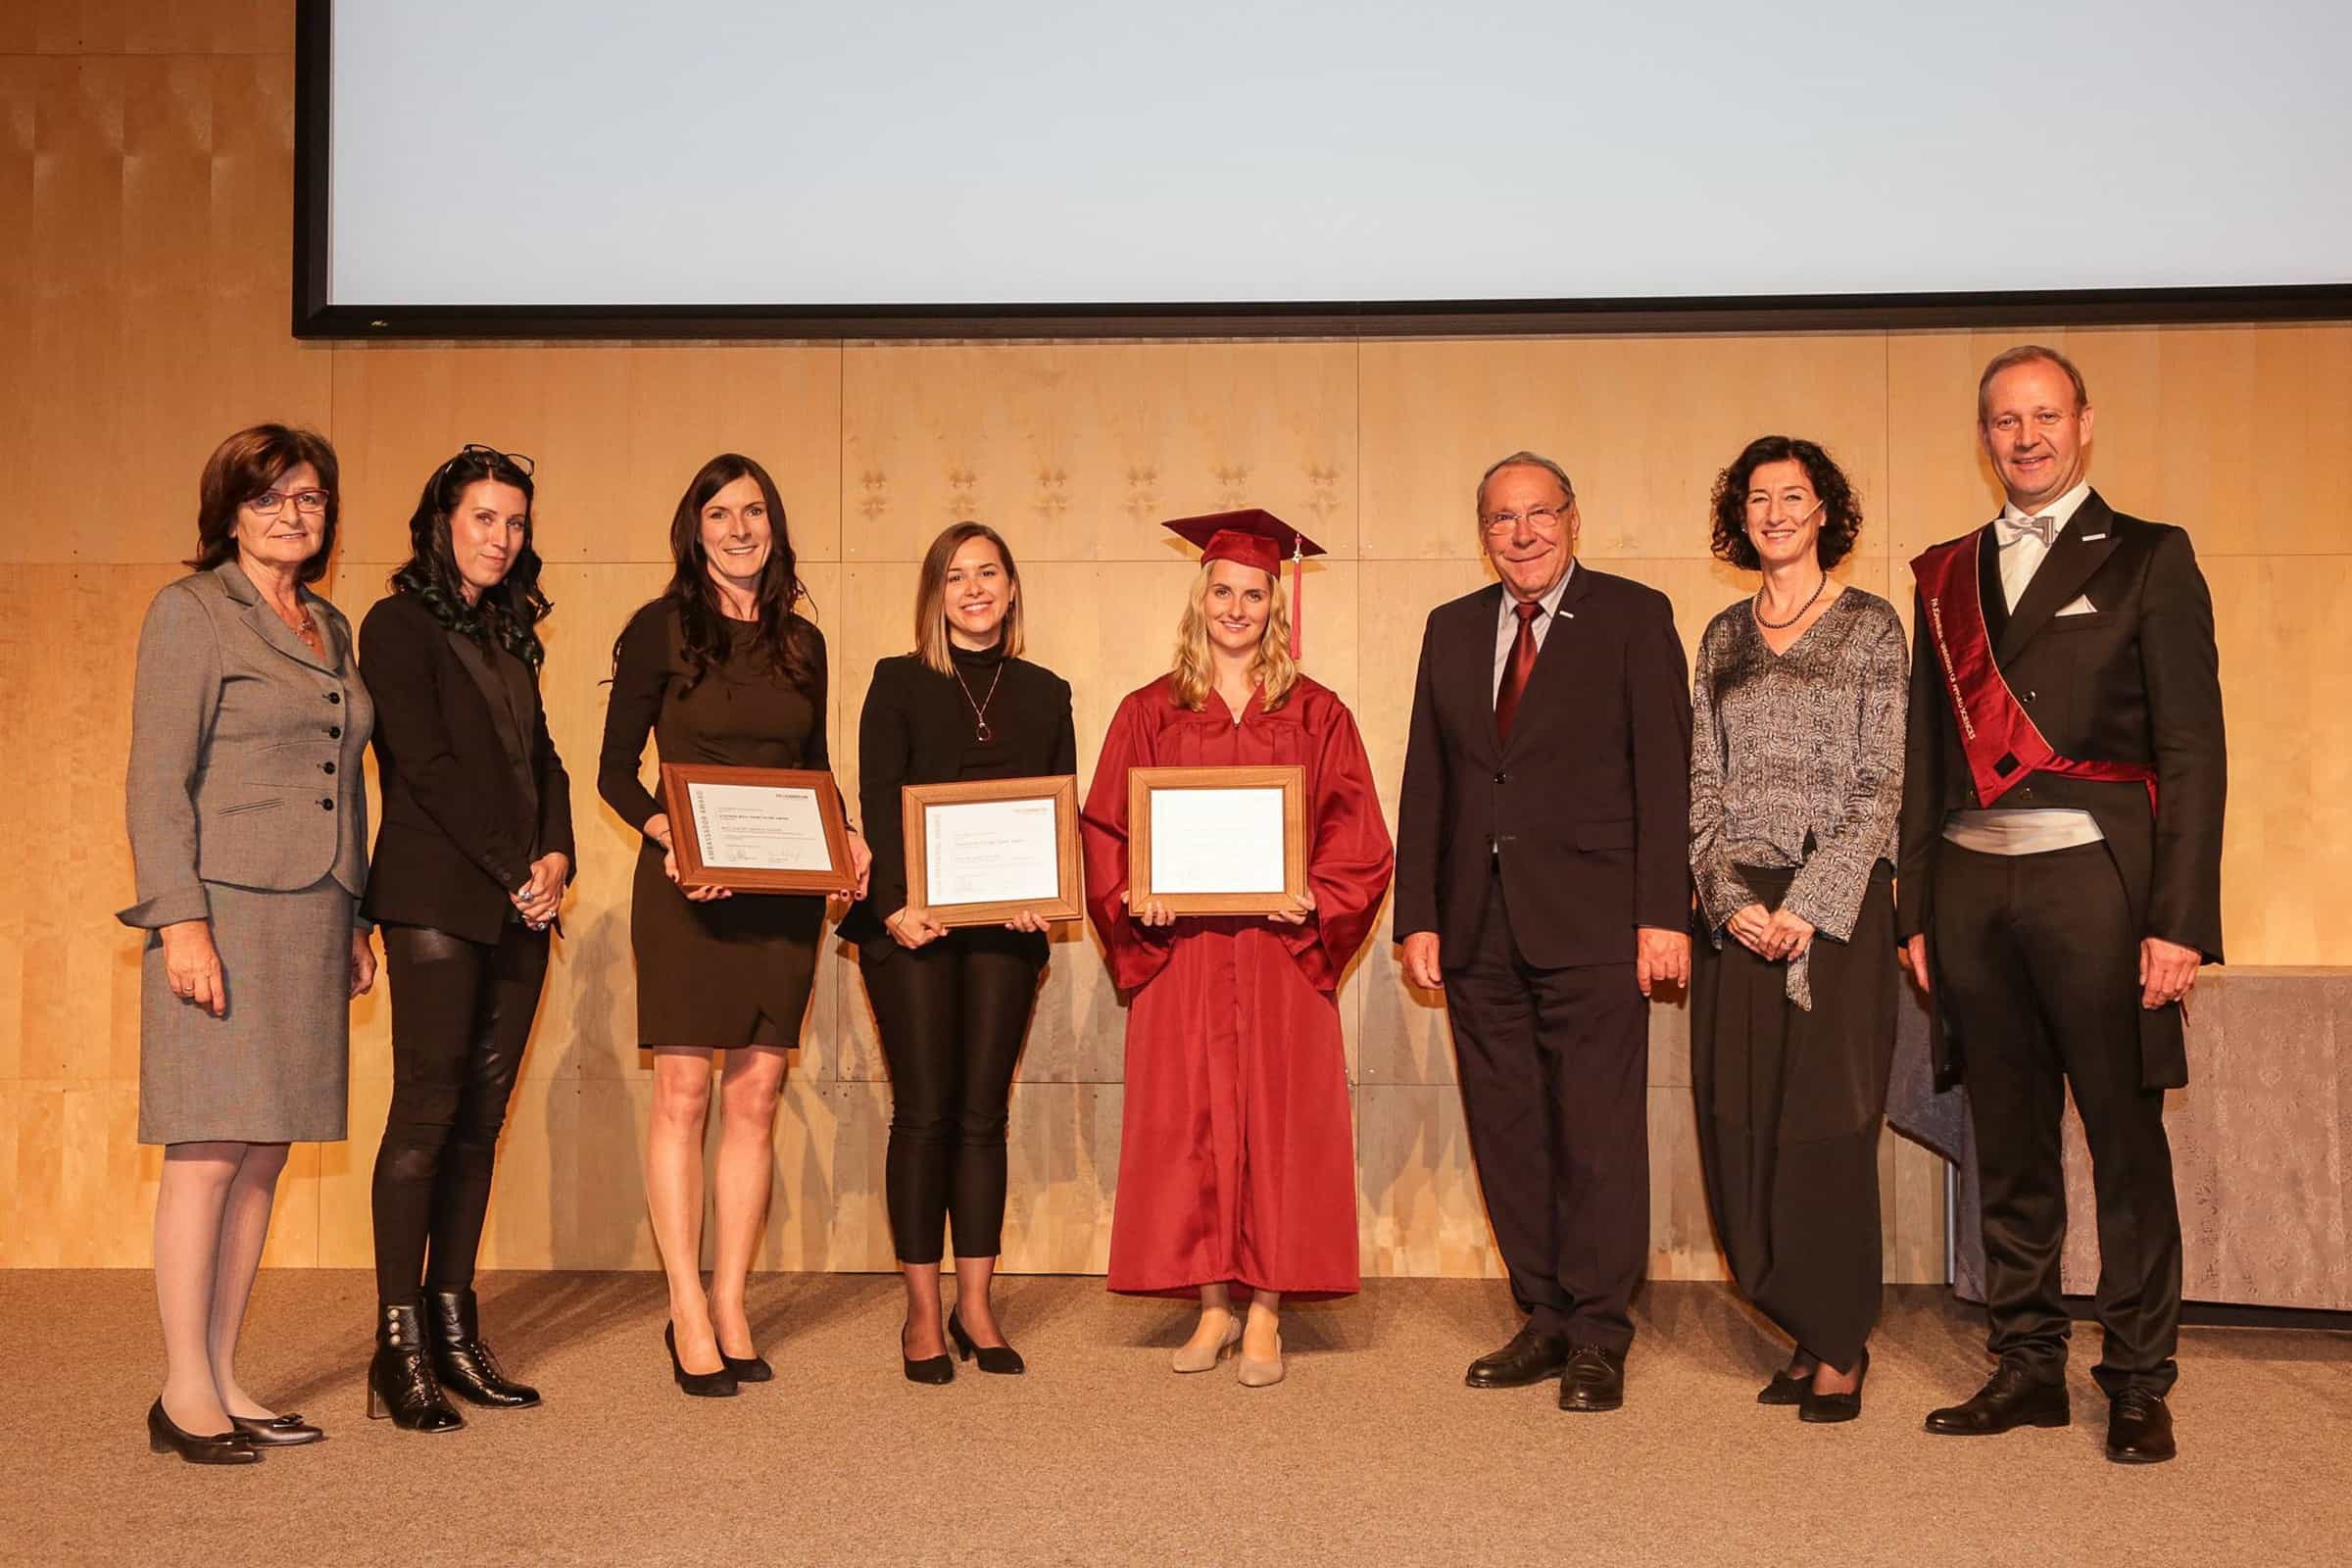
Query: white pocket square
(2080,607)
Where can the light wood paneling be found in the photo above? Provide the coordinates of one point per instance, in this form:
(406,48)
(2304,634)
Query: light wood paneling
(1052,443)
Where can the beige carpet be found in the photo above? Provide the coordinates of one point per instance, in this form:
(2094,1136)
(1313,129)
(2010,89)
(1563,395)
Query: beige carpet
(1372,1454)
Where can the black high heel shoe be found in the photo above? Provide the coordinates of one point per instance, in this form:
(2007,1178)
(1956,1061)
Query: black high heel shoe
(165,1436)
(748,1368)
(931,1369)
(1825,1407)
(275,1432)
(718,1385)
(463,1361)
(1002,1359)
(400,1380)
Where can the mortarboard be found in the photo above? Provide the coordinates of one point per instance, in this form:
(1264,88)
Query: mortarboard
(1254,538)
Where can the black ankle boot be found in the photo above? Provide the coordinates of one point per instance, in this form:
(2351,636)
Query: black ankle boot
(462,1361)
(400,1380)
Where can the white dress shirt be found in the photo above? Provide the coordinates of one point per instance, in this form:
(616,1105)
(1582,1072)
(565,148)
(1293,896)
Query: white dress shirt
(1506,623)
(2028,830)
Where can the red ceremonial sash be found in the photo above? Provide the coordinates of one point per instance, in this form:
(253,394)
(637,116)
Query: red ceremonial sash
(1999,738)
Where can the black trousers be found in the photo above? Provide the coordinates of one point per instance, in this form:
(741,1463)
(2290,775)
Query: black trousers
(461,1014)
(2038,965)
(952,1016)
(1789,1102)
(1555,1087)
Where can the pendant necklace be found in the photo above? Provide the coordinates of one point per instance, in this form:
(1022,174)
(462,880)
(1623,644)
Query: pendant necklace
(980,730)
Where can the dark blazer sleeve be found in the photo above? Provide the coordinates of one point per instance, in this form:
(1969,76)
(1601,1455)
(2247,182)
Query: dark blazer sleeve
(640,677)
(1421,804)
(819,752)
(1658,681)
(885,745)
(2182,668)
(403,670)
(1066,734)
(1924,726)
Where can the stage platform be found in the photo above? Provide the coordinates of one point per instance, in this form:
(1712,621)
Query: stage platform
(1372,1454)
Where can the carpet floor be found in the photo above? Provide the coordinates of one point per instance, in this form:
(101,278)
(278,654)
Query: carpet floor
(1372,1454)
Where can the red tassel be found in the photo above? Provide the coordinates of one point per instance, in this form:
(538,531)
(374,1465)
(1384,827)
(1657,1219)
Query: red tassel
(1297,602)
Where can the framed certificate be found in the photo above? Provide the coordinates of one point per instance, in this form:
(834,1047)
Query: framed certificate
(1217,839)
(979,854)
(757,829)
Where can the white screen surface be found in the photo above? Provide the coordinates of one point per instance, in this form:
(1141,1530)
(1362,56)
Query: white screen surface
(781,152)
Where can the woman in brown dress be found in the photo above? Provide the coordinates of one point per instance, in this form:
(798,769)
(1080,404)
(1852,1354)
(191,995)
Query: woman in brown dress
(719,670)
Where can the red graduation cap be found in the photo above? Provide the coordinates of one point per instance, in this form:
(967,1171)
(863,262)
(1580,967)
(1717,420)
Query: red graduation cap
(1254,538)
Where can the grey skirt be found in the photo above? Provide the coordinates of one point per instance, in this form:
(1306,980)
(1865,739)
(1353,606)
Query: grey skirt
(277,1069)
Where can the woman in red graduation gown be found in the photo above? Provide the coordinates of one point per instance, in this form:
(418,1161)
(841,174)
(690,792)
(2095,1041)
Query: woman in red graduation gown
(1236,1166)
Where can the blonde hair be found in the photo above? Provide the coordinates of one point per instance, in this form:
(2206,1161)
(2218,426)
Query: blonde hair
(1272,668)
(931,643)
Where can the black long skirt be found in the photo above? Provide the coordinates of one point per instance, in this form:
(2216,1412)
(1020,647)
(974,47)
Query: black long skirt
(1789,1106)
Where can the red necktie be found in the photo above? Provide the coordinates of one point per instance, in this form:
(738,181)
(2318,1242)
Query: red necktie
(1515,673)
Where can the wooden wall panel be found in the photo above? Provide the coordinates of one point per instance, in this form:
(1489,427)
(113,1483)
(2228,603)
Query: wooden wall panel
(145,168)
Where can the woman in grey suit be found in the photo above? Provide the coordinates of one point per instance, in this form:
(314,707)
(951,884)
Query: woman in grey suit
(249,830)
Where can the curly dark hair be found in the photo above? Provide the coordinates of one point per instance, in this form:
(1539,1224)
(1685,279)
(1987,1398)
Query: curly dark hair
(1842,507)
(508,614)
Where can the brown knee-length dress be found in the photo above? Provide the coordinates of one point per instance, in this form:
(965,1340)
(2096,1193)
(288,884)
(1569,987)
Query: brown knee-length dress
(735,971)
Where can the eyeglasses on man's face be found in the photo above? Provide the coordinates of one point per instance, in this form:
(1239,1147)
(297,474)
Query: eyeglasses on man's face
(1544,519)
(270,503)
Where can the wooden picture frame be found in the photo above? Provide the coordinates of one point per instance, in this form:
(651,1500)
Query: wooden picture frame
(688,833)
(1142,783)
(1068,901)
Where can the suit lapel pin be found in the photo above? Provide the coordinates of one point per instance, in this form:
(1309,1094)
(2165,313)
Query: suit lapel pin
(2092,538)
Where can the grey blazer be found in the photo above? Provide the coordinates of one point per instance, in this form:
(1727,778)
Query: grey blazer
(245,750)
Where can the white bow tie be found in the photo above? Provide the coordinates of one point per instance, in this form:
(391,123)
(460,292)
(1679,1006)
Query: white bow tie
(2011,529)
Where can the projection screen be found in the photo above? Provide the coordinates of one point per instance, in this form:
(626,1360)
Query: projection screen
(833,168)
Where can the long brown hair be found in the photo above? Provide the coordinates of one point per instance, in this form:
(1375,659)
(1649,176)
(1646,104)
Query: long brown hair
(1271,666)
(931,643)
(246,466)
(706,633)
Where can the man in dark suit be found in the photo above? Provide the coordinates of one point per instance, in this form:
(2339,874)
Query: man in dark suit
(2061,883)
(1543,883)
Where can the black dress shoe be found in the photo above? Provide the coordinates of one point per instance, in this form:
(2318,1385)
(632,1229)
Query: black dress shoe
(275,1432)
(1786,1388)
(930,1369)
(749,1368)
(1001,1359)
(1532,1357)
(400,1379)
(164,1435)
(463,1360)
(1592,1380)
(2009,1400)
(1823,1409)
(2140,1428)
(718,1385)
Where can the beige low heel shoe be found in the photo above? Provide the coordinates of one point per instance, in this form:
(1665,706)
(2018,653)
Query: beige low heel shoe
(1263,1374)
(1190,1358)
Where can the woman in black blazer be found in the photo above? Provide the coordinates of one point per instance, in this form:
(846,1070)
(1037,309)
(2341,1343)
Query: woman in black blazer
(472,863)
(952,1005)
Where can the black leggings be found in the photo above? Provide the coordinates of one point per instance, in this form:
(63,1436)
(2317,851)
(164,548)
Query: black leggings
(952,1016)
(460,1015)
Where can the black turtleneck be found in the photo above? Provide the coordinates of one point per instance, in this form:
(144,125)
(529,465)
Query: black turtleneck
(920,727)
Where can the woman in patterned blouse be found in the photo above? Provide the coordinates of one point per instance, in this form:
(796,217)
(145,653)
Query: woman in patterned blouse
(1796,780)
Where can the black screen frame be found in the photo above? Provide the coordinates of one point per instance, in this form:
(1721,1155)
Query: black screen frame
(314,317)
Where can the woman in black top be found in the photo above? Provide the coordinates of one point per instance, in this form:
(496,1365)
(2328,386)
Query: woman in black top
(470,866)
(952,1005)
(719,670)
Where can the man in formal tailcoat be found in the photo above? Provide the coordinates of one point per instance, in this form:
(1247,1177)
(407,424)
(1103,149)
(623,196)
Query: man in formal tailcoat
(2060,884)
(1543,883)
